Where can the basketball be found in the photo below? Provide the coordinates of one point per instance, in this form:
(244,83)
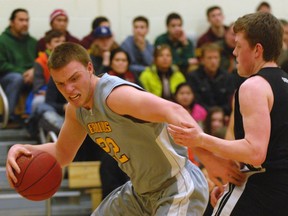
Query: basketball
(40,176)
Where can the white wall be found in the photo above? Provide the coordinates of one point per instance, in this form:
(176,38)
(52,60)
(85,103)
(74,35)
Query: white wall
(121,12)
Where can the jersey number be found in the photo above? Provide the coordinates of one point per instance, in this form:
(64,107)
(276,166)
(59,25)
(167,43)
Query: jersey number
(109,145)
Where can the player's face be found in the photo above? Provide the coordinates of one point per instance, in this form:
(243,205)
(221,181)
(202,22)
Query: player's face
(244,55)
(74,81)
(20,24)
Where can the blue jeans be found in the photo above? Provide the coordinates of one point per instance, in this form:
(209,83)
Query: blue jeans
(12,84)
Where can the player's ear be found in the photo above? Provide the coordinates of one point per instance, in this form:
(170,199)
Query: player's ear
(259,50)
(90,68)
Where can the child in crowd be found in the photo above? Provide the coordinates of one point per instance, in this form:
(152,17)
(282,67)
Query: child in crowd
(214,123)
(53,38)
(184,96)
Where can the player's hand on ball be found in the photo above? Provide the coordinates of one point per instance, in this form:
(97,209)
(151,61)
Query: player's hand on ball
(11,166)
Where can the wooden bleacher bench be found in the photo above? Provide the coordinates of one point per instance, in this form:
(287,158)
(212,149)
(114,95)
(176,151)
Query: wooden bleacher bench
(86,175)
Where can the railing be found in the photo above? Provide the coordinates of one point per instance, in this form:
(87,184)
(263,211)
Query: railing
(4,107)
(51,136)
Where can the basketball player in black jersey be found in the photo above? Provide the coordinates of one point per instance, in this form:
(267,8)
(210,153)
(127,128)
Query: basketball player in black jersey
(261,124)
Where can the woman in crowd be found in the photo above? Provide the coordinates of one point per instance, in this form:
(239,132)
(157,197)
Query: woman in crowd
(119,64)
(162,77)
(184,96)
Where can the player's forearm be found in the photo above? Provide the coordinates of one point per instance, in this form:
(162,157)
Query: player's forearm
(238,150)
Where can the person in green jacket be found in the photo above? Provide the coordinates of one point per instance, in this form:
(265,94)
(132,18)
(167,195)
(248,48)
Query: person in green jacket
(17,55)
(162,77)
(182,47)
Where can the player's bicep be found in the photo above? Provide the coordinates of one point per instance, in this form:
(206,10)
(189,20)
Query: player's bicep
(126,100)
(254,107)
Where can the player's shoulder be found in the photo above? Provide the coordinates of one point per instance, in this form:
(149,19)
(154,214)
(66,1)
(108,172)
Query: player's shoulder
(253,81)
(255,85)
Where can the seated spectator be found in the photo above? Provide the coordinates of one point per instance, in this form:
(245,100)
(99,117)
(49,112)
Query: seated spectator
(88,39)
(214,124)
(119,65)
(264,7)
(182,48)
(17,55)
(101,49)
(212,85)
(162,77)
(184,96)
(216,30)
(51,113)
(284,52)
(53,38)
(59,22)
(227,45)
(139,49)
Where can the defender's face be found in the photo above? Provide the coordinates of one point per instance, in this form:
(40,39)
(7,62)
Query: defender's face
(74,81)
(244,55)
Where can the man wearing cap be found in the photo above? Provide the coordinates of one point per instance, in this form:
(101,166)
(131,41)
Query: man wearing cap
(101,48)
(59,22)
(88,39)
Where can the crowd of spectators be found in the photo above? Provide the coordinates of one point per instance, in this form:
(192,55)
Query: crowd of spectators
(198,76)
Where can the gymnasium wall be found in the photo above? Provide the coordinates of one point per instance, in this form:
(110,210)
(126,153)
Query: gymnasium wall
(121,12)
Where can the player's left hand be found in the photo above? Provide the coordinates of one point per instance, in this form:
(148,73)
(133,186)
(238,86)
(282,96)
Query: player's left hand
(187,135)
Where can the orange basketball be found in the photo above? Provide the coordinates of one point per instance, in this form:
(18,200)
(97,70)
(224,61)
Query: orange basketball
(40,176)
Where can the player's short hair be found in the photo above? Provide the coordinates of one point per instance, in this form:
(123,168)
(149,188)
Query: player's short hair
(263,28)
(67,52)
